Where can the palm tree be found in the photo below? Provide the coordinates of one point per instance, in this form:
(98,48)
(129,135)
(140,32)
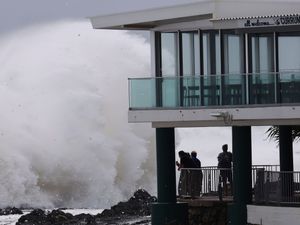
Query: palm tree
(273,133)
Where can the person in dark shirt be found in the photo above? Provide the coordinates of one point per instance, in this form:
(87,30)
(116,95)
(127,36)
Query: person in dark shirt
(196,176)
(225,164)
(186,162)
(196,161)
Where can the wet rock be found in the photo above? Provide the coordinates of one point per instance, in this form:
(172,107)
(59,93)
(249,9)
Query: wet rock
(56,217)
(131,212)
(138,205)
(37,216)
(59,217)
(85,219)
(10,211)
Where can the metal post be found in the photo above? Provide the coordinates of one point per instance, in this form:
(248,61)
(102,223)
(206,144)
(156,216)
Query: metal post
(242,179)
(166,210)
(286,148)
(165,153)
(286,160)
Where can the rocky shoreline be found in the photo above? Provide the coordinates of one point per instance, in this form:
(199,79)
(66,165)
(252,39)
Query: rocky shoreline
(135,211)
(10,211)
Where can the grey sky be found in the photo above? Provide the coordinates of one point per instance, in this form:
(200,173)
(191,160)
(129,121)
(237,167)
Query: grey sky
(17,13)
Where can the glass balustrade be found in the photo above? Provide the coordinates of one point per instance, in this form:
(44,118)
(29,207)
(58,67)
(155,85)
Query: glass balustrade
(214,90)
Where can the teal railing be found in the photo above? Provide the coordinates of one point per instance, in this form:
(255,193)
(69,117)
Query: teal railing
(214,90)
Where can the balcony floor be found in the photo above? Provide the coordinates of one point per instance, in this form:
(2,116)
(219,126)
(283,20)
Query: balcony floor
(205,200)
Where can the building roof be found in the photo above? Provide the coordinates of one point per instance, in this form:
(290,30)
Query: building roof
(147,19)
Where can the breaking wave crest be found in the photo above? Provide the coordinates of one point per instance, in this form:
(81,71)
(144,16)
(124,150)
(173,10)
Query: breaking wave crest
(64,136)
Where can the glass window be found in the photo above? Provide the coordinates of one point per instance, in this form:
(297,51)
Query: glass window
(191,69)
(190,54)
(289,53)
(262,87)
(206,54)
(233,54)
(211,66)
(211,53)
(218,54)
(234,84)
(289,66)
(169,68)
(262,48)
(169,54)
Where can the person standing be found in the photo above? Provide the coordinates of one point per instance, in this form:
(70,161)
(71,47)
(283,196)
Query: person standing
(225,164)
(196,176)
(184,185)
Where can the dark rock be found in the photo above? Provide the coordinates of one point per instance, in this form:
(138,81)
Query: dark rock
(36,217)
(85,219)
(137,207)
(59,217)
(10,211)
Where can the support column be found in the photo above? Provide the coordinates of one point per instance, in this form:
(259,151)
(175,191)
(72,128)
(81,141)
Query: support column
(242,180)
(167,210)
(286,148)
(286,161)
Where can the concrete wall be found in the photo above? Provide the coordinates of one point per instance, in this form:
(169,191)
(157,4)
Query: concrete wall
(208,213)
(267,215)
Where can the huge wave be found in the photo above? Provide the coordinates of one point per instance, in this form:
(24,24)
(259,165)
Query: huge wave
(64,136)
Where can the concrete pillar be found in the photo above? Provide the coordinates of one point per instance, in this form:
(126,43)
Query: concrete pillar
(167,210)
(286,161)
(286,148)
(242,179)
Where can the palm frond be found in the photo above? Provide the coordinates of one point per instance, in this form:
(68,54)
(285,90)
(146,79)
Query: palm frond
(273,133)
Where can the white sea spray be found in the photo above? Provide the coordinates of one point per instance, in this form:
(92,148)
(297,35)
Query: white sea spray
(64,136)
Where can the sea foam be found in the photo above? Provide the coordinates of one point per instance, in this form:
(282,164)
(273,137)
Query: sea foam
(64,136)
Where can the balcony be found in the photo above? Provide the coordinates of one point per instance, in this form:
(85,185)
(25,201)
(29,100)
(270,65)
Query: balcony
(215,91)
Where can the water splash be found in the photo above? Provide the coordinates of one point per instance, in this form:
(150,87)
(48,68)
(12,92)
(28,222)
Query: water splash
(64,136)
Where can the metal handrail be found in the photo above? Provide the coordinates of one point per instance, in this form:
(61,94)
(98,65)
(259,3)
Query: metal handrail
(269,185)
(215,75)
(277,187)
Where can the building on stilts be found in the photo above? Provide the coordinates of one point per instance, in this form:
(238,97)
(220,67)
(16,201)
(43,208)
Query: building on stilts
(214,64)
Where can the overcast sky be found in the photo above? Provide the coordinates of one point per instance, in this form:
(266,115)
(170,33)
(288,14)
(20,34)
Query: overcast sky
(15,14)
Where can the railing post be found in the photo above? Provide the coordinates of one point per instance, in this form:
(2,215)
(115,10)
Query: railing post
(259,191)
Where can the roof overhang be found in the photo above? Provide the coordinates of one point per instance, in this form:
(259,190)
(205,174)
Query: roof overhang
(256,115)
(257,22)
(237,13)
(151,18)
